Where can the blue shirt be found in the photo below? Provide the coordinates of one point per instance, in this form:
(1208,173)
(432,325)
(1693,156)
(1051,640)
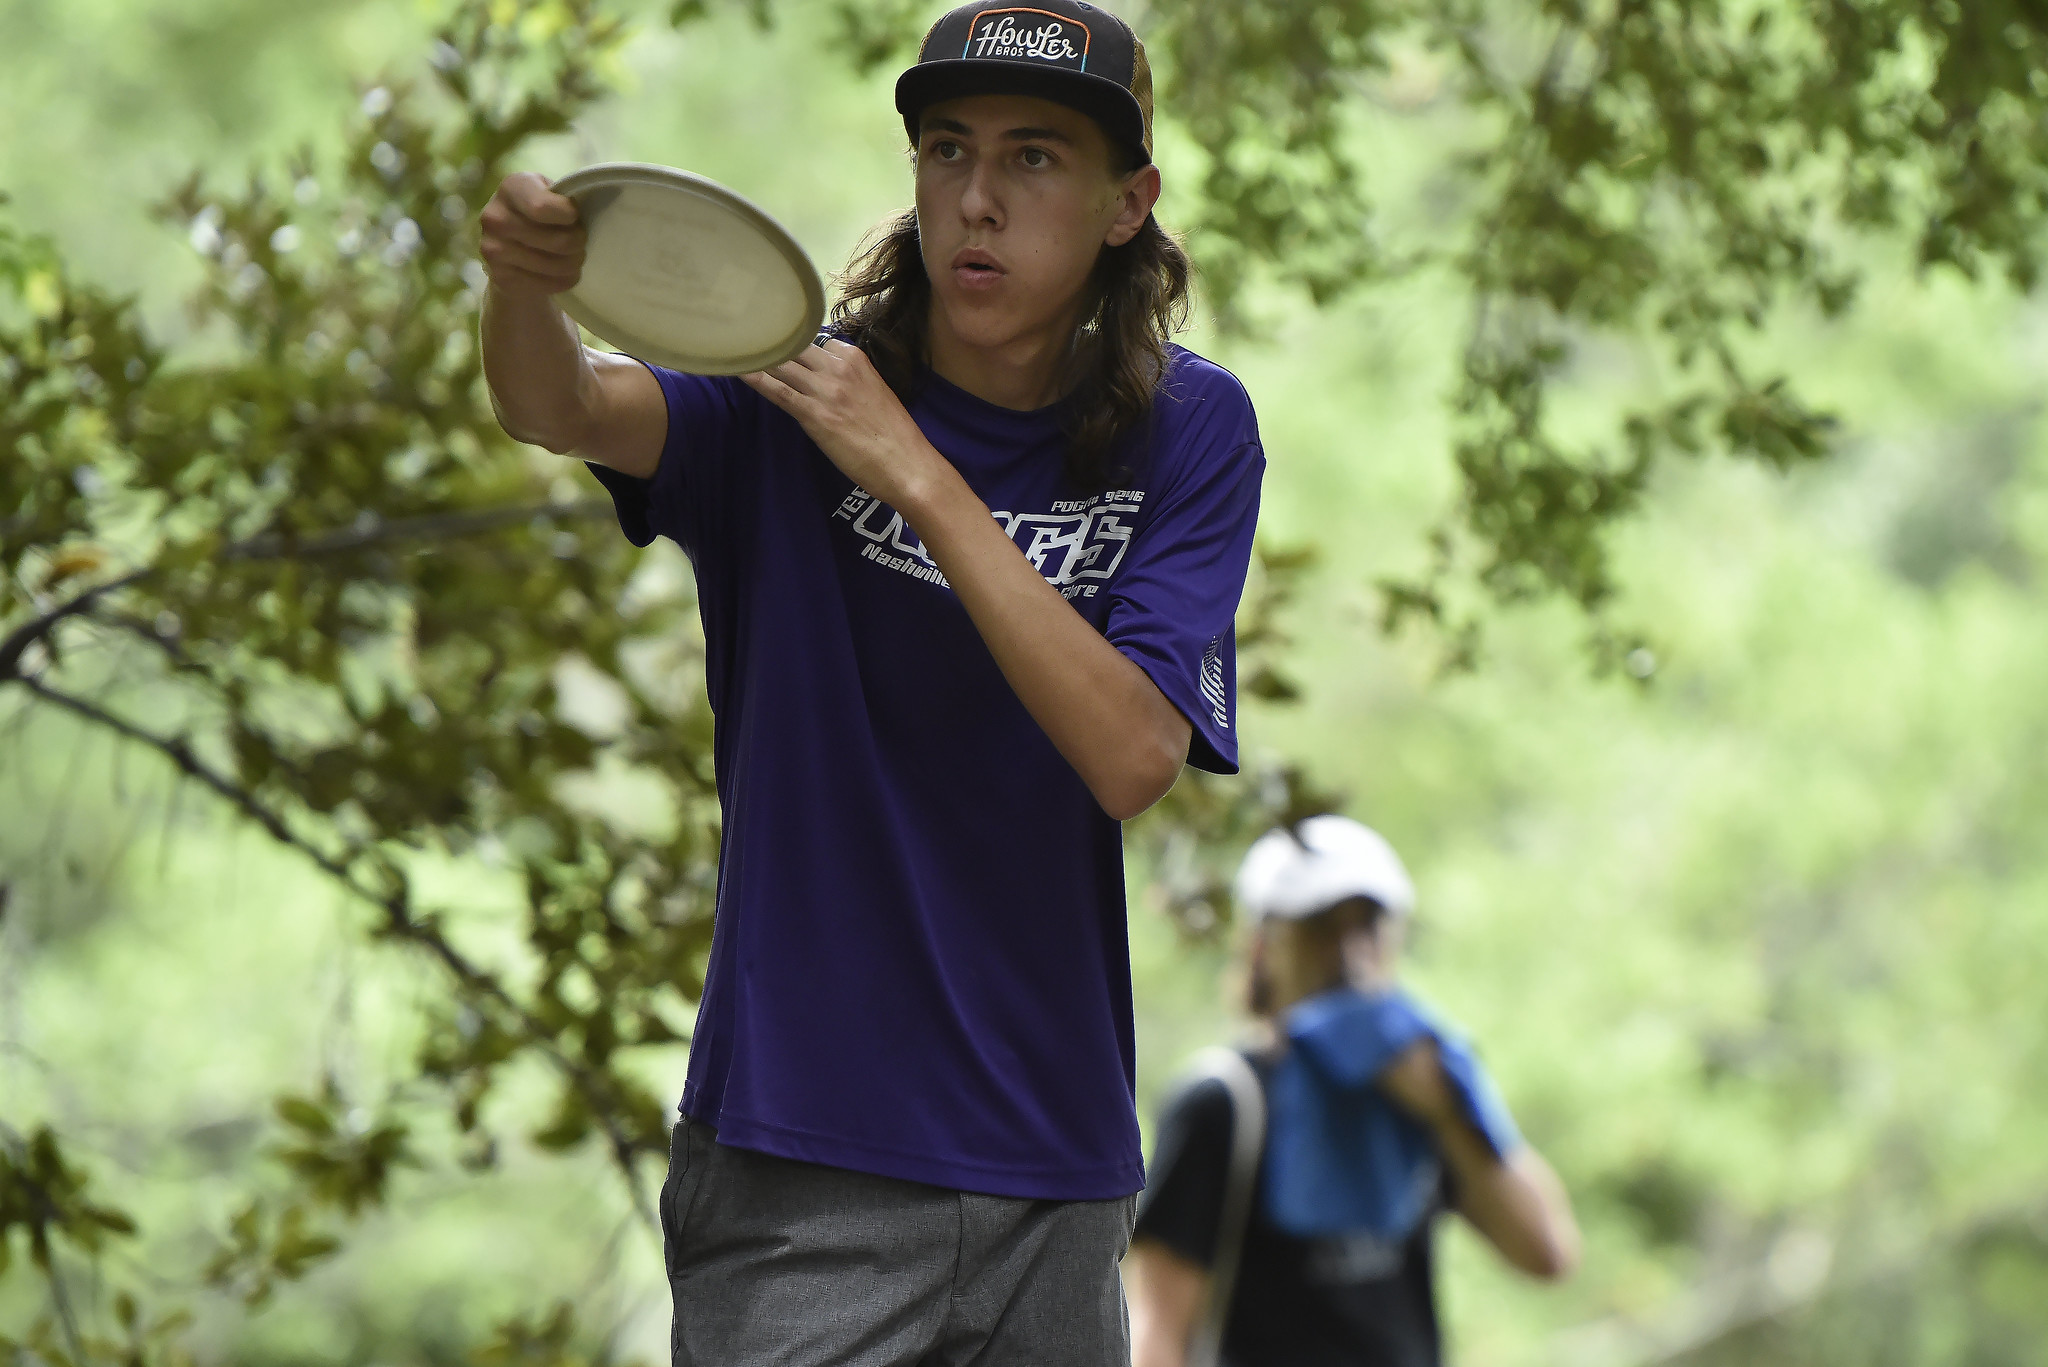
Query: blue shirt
(1341,1157)
(919,966)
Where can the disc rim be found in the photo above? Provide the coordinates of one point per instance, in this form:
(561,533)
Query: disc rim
(613,174)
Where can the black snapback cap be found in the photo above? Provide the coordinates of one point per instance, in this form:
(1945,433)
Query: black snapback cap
(1074,54)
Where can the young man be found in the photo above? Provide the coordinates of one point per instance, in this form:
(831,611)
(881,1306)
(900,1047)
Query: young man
(967,573)
(1378,1120)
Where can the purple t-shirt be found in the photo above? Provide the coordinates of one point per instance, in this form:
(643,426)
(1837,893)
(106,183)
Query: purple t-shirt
(920,965)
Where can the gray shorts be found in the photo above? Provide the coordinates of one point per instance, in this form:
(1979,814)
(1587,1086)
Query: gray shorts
(773,1261)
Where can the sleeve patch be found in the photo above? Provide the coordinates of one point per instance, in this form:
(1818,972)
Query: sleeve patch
(1213,687)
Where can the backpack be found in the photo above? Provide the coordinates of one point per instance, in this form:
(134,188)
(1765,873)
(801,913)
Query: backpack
(1247,1142)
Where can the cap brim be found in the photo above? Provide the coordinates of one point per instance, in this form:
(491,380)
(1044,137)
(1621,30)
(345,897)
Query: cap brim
(1102,99)
(1301,911)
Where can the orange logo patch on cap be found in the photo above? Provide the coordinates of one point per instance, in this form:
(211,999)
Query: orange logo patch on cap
(1028,34)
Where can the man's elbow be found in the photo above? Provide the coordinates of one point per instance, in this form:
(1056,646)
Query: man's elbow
(561,443)
(1533,1226)
(1129,805)
(1551,1257)
(559,438)
(1135,786)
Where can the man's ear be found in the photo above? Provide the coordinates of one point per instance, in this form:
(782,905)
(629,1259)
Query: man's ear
(1140,193)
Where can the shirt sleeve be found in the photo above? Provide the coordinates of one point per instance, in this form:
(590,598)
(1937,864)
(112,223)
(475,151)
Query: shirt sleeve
(1183,1201)
(1477,1096)
(1174,606)
(1351,1037)
(684,499)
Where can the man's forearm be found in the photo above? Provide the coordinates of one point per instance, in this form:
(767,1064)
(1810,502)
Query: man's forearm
(539,376)
(1513,1199)
(1101,711)
(1166,1295)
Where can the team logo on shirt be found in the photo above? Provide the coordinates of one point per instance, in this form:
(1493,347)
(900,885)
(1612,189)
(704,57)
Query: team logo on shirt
(1077,544)
(1349,1259)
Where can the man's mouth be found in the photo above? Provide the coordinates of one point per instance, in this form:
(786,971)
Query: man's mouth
(973,266)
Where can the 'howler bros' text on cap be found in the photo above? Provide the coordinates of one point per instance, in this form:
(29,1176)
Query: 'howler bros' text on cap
(1061,50)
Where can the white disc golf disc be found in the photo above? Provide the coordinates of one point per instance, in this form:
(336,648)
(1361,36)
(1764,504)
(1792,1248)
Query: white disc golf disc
(683,272)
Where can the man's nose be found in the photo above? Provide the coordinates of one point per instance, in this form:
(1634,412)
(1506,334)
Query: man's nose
(980,200)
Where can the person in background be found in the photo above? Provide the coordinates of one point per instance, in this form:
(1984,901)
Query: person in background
(1378,1119)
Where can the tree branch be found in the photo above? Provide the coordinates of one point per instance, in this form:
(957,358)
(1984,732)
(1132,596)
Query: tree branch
(36,628)
(282,546)
(180,753)
(434,526)
(399,919)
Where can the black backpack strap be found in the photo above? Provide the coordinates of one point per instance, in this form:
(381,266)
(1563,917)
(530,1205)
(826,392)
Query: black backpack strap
(1247,1142)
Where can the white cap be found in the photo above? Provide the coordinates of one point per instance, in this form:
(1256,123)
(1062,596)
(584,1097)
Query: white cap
(1335,858)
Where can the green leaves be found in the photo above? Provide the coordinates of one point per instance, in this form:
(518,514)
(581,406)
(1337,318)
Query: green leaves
(45,1199)
(1658,175)
(1189,843)
(310,547)
(875,32)
(265,1248)
(342,1158)
(1267,93)
(543,1339)
(313,541)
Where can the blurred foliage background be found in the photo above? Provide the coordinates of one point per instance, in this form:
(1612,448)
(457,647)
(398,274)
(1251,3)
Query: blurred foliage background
(353,812)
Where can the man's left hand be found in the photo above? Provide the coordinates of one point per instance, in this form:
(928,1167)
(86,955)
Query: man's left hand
(846,407)
(1416,1083)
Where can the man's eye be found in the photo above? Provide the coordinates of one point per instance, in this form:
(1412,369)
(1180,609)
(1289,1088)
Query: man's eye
(944,150)
(1036,157)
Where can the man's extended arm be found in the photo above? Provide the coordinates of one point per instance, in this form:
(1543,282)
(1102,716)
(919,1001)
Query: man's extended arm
(1516,1201)
(547,387)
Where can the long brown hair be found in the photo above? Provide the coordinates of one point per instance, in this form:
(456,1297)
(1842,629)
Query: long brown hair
(1139,300)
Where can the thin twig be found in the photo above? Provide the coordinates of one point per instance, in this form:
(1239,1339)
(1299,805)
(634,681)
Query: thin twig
(59,1296)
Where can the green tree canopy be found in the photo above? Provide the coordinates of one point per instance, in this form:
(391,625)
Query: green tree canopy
(292,556)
